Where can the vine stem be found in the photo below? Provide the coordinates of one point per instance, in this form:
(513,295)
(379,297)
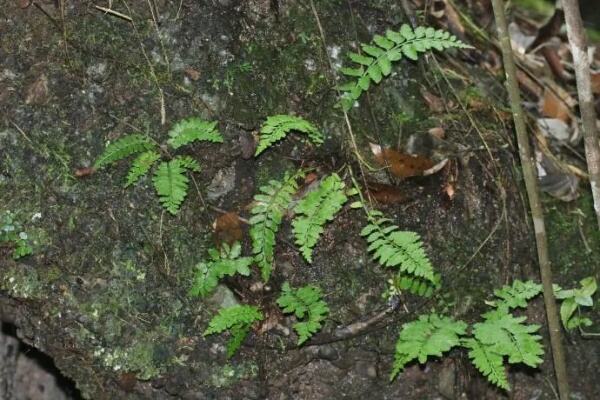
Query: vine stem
(581,61)
(535,205)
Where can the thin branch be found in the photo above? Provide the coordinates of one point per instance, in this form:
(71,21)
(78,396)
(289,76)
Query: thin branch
(533,192)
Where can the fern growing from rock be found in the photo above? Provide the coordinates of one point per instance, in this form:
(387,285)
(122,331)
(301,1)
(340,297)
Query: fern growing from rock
(269,208)
(277,127)
(315,210)
(237,320)
(305,303)
(376,62)
(169,178)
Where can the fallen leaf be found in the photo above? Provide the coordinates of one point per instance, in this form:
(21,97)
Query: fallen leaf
(519,40)
(449,191)
(555,180)
(438,132)
(310,178)
(400,164)
(227,229)
(83,172)
(555,63)
(385,194)
(37,92)
(192,73)
(554,128)
(553,106)
(435,103)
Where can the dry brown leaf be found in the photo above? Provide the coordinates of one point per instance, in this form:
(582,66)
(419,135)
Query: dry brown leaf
(192,73)
(438,132)
(227,229)
(385,194)
(37,92)
(83,172)
(400,164)
(554,107)
(435,103)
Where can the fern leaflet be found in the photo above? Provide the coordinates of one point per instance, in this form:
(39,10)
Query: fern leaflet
(315,210)
(226,262)
(236,319)
(124,147)
(488,362)
(379,55)
(516,295)
(430,335)
(267,213)
(170,181)
(193,129)
(394,248)
(278,126)
(413,284)
(305,302)
(141,165)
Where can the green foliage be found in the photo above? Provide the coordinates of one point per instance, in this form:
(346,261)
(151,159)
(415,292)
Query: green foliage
(171,183)
(191,130)
(12,234)
(413,284)
(500,336)
(269,208)
(277,127)
(430,335)
(394,248)
(226,262)
(376,62)
(141,165)
(124,147)
(315,210)
(572,299)
(237,320)
(306,303)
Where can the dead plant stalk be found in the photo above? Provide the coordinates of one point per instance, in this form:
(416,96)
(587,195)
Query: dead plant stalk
(533,193)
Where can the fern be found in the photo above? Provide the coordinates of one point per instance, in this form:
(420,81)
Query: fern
(237,320)
(394,248)
(170,181)
(430,335)
(415,285)
(124,147)
(379,55)
(226,262)
(489,363)
(278,126)
(193,129)
(315,210)
(305,302)
(516,295)
(141,165)
(267,213)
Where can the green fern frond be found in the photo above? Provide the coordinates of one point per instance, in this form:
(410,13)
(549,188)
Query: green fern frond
(394,248)
(315,210)
(489,363)
(506,335)
(305,302)
(141,165)
(191,130)
(124,147)
(430,335)
(278,126)
(415,285)
(236,319)
(267,213)
(171,183)
(376,62)
(516,295)
(226,262)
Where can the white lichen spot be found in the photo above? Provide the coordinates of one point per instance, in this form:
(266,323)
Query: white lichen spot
(310,65)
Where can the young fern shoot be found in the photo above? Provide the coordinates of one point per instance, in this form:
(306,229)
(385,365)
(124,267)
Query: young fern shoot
(379,55)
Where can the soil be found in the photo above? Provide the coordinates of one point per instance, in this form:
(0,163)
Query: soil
(105,291)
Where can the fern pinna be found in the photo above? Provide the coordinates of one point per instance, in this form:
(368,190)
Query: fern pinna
(305,303)
(268,211)
(315,210)
(500,336)
(392,247)
(379,55)
(169,180)
(237,320)
(277,127)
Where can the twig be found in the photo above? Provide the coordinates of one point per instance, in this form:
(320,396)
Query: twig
(578,43)
(529,174)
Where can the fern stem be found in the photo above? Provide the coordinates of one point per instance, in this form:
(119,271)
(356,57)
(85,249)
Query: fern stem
(529,175)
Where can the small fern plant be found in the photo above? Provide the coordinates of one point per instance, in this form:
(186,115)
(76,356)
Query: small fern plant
(224,262)
(169,178)
(276,127)
(306,304)
(237,320)
(376,62)
(500,337)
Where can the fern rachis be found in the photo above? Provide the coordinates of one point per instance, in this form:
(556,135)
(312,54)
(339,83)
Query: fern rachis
(315,210)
